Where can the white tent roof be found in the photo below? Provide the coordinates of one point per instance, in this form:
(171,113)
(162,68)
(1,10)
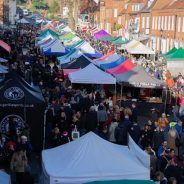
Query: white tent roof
(56,46)
(136,47)
(4,178)
(91,158)
(45,39)
(86,48)
(91,75)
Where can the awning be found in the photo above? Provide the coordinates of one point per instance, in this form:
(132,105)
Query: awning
(178,55)
(100,34)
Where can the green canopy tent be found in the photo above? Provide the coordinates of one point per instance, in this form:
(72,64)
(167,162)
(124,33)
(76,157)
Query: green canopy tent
(108,38)
(174,49)
(120,41)
(178,55)
(49,32)
(123,182)
(67,37)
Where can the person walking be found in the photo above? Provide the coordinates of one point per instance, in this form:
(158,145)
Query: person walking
(19,164)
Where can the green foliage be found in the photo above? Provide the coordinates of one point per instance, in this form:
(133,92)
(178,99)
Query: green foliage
(117,27)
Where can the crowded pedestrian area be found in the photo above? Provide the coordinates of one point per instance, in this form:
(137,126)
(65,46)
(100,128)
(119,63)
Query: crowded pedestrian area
(89,107)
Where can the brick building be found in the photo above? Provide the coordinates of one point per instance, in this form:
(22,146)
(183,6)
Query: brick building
(1,11)
(159,22)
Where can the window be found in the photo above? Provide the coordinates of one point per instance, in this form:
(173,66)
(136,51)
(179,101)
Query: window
(159,22)
(169,23)
(173,23)
(115,13)
(143,22)
(147,22)
(165,25)
(183,25)
(179,24)
(162,23)
(153,23)
(156,19)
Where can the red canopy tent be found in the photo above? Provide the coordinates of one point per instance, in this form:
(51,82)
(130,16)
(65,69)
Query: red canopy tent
(105,56)
(124,67)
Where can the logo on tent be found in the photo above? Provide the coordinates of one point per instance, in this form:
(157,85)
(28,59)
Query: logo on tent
(14,93)
(4,125)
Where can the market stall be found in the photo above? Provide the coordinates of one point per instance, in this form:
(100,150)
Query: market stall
(79,162)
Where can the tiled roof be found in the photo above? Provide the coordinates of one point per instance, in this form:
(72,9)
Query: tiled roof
(175,4)
(160,4)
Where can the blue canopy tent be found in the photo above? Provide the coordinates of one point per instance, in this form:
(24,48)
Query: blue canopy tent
(113,64)
(55,49)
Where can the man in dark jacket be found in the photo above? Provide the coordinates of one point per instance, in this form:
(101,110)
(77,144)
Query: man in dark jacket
(121,132)
(134,113)
(135,132)
(91,120)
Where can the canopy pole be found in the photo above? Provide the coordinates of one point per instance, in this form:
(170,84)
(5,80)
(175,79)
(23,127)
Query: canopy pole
(44,129)
(121,91)
(115,93)
(165,104)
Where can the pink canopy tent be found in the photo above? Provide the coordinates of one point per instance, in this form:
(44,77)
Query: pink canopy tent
(124,67)
(100,34)
(104,57)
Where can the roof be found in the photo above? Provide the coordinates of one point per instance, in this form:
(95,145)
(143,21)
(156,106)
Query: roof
(160,4)
(79,161)
(175,4)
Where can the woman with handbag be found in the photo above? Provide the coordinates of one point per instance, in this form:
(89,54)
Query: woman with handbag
(19,164)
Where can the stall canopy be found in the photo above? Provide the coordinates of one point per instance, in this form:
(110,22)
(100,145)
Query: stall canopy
(79,162)
(20,100)
(80,62)
(119,41)
(72,55)
(5,46)
(174,49)
(104,57)
(91,75)
(47,44)
(178,55)
(100,34)
(2,60)
(5,178)
(89,51)
(55,49)
(45,40)
(108,38)
(123,67)
(123,182)
(137,77)
(68,36)
(113,64)
(110,59)
(136,47)
(49,32)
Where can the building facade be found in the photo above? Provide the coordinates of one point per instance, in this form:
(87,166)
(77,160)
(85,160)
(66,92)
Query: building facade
(160,23)
(9,11)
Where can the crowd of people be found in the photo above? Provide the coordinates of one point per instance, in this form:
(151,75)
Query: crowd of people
(84,108)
